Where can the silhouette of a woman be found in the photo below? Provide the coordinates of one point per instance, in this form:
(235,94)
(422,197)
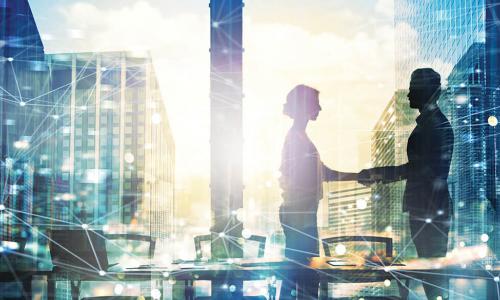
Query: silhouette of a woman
(302,176)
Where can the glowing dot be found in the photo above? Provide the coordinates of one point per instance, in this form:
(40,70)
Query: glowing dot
(388,228)
(340,249)
(386,269)
(439,298)
(496,279)
(22,103)
(102,273)
(165,274)
(428,220)
(232,288)
(55,117)
(488,267)
(171,281)
(1,249)
(215,24)
(156,118)
(440,212)
(387,283)
(11,59)
(246,233)
(224,286)
(484,237)
(222,234)
(118,289)
(155,294)
(462,244)
(361,204)
(104,69)
(129,157)
(86,226)
(461,204)
(461,99)
(2,207)
(492,121)
(21,145)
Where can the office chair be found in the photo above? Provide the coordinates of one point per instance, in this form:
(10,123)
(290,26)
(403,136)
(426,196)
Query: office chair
(125,237)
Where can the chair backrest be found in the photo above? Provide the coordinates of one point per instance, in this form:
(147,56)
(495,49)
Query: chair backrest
(135,237)
(358,238)
(78,248)
(207,240)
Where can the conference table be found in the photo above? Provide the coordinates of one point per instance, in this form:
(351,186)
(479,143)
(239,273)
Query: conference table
(330,270)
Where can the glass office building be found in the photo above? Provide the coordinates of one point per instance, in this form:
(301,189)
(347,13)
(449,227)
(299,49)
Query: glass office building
(459,39)
(389,140)
(114,151)
(24,107)
(85,139)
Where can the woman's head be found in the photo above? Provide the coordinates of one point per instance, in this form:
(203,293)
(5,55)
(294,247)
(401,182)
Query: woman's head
(302,102)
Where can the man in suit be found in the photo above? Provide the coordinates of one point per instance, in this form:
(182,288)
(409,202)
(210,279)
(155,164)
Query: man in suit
(426,196)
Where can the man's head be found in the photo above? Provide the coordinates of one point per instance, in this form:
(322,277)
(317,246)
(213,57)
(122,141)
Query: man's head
(425,87)
(302,102)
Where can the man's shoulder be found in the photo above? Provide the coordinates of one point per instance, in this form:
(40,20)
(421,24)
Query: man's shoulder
(439,120)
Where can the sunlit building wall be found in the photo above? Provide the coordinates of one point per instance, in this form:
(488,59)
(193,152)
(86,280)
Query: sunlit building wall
(389,141)
(349,209)
(115,150)
(460,40)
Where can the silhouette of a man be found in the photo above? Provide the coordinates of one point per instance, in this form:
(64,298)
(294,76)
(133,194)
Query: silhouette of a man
(426,196)
(302,176)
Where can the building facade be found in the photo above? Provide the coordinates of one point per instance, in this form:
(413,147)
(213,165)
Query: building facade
(115,151)
(460,40)
(24,106)
(389,141)
(85,139)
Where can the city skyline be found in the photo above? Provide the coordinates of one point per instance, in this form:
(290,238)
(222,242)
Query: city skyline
(330,66)
(142,142)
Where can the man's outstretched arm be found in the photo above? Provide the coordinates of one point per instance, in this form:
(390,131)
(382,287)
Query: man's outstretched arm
(383,174)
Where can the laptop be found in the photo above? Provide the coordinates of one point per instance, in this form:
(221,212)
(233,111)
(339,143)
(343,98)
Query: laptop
(79,250)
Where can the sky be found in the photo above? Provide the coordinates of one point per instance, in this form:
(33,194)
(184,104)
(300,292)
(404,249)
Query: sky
(343,48)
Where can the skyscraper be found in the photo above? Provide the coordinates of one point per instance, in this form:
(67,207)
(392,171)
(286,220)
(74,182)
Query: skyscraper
(85,139)
(389,140)
(460,40)
(115,151)
(24,106)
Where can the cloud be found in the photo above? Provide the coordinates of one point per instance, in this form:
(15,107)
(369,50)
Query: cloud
(179,45)
(385,8)
(354,73)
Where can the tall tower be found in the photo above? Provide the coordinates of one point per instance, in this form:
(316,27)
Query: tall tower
(226,132)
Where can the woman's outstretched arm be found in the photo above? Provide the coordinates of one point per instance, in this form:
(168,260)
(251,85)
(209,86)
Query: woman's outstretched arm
(332,175)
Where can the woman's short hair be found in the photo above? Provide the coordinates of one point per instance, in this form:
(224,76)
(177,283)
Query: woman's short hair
(301,100)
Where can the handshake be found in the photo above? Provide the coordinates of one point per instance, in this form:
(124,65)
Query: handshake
(367,177)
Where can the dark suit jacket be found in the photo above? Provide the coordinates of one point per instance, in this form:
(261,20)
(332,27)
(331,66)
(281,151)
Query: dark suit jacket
(430,149)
